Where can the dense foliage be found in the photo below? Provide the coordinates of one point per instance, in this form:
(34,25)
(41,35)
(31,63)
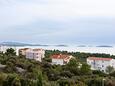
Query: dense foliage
(19,71)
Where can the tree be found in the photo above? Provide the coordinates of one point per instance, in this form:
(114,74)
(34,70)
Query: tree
(112,74)
(94,82)
(67,74)
(63,82)
(85,69)
(109,69)
(72,63)
(3,77)
(16,82)
(73,66)
(10,52)
(39,79)
(10,78)
(98,72)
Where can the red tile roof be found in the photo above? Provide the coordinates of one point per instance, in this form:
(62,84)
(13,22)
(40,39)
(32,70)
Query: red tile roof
(60,56)
(98,58)
(24,49)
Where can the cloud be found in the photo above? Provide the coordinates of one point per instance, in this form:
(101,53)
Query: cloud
(61,10)
(59,20)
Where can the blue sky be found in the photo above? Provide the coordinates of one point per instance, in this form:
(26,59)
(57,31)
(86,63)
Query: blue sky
(58,21)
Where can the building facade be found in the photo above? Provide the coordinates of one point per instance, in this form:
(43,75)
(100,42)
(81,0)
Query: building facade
(23,51)
(100,63)
(60,59)
(36,54)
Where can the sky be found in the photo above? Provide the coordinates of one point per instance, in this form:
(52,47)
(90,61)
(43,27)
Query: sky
(58,21)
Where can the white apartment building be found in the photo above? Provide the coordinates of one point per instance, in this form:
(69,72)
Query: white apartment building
(101,64)
(60,59)
(36,54)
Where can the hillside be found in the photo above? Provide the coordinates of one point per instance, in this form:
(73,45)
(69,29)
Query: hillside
(19,71)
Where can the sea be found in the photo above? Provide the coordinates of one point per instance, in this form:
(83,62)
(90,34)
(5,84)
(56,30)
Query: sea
(75,48)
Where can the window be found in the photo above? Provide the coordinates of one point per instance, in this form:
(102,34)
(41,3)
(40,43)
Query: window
(102,65)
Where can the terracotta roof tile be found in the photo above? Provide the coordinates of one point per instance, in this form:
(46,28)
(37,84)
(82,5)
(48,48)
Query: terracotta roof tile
(60,56)
(24,49)
(38,49)
(98,58)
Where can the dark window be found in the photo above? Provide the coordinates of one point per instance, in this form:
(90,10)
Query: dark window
(102,70)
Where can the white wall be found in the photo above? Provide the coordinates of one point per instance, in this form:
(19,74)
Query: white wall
(57,61)
(35,55)
(29,55)
(100,64)
(112,63)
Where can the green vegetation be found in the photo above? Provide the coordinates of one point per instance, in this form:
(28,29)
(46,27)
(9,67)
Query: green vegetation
(109,69)
(19,71)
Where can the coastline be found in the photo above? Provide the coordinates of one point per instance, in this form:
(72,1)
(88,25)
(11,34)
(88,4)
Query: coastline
(86,49)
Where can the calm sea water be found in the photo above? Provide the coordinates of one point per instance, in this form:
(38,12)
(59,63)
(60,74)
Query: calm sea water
(106,50)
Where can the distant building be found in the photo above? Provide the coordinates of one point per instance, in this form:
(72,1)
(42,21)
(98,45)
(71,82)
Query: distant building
(4,48)
(60,59)
(23,51)
(36,54)
(100,63)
